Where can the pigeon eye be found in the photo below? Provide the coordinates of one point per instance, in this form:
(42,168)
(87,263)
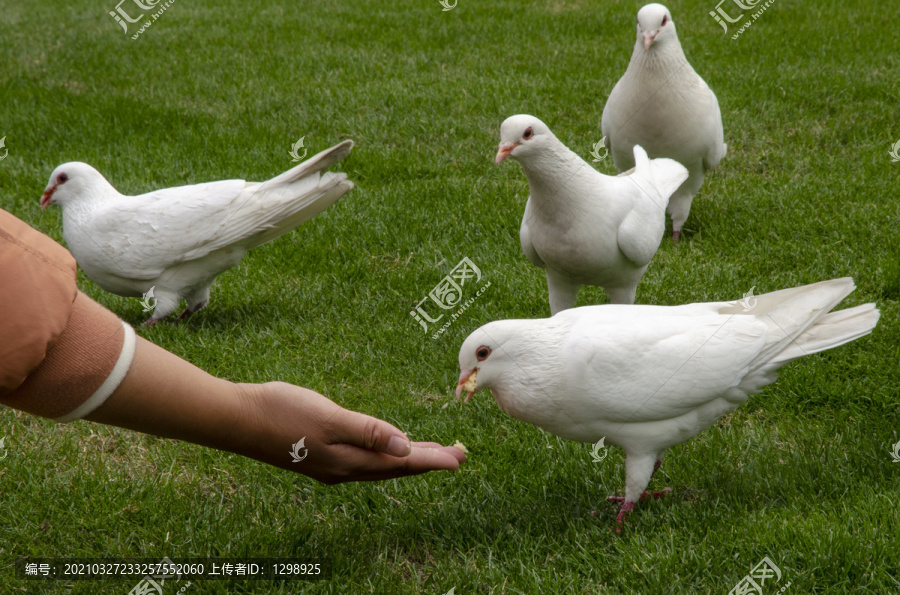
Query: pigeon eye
(665,20)
(529,132)
(482,353)
(62,178)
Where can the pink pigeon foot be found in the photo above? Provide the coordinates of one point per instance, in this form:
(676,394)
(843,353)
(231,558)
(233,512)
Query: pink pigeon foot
(629,506)
(150,322)
(676,235)
(620,519)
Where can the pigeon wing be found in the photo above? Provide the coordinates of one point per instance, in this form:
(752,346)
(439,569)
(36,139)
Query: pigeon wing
(144,235)
(525,238)
(627,369)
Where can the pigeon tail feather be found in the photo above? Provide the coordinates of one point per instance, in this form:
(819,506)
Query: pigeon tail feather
(666,175)
(316,163)
(802,317)
(331,187)
(832,330)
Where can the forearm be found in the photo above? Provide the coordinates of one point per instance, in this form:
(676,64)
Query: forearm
(167,396)
(65,357)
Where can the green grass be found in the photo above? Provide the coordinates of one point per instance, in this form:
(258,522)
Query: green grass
(223,89)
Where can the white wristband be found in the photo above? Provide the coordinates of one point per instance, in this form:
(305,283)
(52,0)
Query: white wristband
(112,381)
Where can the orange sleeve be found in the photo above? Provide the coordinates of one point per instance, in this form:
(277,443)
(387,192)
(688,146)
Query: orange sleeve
(61,353)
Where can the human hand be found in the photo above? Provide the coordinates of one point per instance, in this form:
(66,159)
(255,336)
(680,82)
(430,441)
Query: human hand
(342,445)
(166,396)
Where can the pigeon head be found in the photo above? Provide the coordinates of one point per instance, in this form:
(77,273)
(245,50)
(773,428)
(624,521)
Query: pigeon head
(521,136)
(654,25)
(479,361)
(71,181)
(495,356)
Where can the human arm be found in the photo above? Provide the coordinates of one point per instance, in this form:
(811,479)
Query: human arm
(65,357)
(164,395)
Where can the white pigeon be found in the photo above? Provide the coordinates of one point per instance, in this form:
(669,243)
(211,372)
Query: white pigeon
(584,227)
(649,377)
(175,241)
(661,104)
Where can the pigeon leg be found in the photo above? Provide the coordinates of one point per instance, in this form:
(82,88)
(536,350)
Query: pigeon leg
(638,471)
(562,292)
(679,208)
(680,202)
(655,495)
(196,300)
(621,295)
(166,303)
(661,494)
(188,312)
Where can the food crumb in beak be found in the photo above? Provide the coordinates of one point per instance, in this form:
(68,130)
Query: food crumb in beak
(471,384)
(472,381)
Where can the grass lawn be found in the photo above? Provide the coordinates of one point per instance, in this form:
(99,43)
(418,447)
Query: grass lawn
(802,474)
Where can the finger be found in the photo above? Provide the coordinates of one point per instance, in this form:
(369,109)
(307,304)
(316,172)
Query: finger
(420,460)
(446,458)
(370,433)
(428,444)
(367,465)
(451,450)
(458,454)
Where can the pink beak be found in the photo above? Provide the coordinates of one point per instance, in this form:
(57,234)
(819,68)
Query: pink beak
(649,36)
(463,378)
(503,152)
(47,196)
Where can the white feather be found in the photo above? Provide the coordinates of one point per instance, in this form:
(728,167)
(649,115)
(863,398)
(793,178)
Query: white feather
(650,377)
(663,105)
(177,240)
(584,227)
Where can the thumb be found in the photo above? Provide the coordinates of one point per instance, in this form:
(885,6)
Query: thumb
(371,433)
